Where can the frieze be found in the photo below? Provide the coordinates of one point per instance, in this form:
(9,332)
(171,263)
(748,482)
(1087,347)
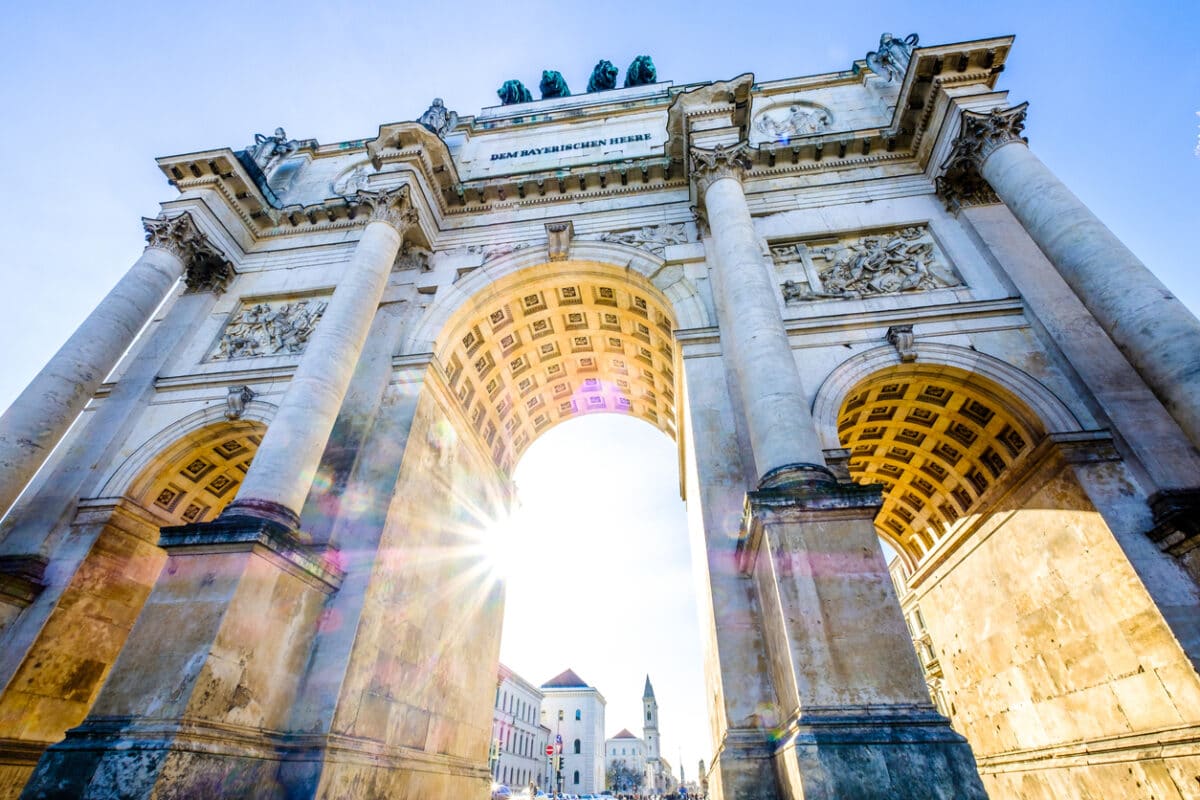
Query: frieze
(654,238)
(267,328)
(861,265)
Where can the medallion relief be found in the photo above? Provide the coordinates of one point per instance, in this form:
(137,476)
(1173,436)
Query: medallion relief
(784,122)
(860,265)
(262,328)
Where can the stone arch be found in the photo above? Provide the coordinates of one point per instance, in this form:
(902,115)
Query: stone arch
(681,292)
(938,439)
(190,470)
(556,340)
(1053,415)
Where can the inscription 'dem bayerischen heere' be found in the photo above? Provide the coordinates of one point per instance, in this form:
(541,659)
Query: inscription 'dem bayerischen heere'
(562,148)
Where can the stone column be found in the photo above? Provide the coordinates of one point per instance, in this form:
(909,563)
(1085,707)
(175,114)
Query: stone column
(218,651)
(282,471)
(1154,330)
(39,417)
(783,438)
(855,718)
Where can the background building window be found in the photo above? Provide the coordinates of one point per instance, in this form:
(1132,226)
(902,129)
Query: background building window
(578,714)
(577,747)
(576,777)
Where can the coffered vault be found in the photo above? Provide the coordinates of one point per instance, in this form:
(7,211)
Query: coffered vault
(555,342)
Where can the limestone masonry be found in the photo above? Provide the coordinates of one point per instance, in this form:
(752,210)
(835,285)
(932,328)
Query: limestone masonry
(240,556)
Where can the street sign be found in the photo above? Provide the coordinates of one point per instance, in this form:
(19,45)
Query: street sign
(549,749)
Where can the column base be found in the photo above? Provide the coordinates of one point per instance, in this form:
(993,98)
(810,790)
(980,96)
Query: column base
(120,757)
(237,532)
(744,768)
(864,756)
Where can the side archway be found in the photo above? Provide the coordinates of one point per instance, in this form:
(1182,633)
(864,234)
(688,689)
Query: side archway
(162,461)
(938,439)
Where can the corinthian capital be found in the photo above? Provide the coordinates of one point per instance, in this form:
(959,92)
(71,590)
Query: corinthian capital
(178,235)
(205,267)
(709,166)
(391,206)
(981,134)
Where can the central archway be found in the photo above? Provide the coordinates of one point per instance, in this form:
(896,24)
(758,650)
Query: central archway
(555,341)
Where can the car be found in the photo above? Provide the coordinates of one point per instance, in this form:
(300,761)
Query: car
(501,792)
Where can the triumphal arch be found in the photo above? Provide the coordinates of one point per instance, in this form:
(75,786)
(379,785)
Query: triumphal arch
(247,500)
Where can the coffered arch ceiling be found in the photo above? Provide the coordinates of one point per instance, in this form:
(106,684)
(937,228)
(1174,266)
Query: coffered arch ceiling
(194,478)
(938,439)
(557,341)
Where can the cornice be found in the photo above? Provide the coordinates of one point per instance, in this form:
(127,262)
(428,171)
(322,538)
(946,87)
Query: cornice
(434,175)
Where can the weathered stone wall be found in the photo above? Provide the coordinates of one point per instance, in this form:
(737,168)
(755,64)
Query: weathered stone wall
(1062,672)
(419,682)
(60,676)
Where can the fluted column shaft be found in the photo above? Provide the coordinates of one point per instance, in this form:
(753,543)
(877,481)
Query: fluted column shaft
(281,474)
(753,337)
(1154,330)
(39,417)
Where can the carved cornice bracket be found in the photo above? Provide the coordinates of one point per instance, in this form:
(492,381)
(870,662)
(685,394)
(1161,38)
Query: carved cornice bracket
(391,206)
(205,267)
(709,166)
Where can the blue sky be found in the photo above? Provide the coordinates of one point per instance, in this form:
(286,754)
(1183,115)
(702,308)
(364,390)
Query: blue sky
(91,93)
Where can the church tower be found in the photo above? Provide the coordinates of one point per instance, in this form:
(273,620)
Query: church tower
(650,730)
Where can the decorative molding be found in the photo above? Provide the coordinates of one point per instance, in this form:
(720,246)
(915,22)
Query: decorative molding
(879,263)
(709,166)
(263,329)
(391,206)
(205,267)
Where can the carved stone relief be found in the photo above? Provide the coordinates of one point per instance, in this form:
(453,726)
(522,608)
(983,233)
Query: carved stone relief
(799,119)
(860,265)
(269,328)
(352,181)
(654,238)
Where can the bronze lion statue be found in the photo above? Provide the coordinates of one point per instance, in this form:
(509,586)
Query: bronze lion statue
(604,77)
(641,72)
(553,85)
(513,92)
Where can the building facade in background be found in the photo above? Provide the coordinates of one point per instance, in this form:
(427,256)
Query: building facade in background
(574,713)
(519,738)
(245,557)
(625,763)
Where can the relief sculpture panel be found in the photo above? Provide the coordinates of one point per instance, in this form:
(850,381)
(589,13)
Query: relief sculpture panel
(267,328)
(863,264)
